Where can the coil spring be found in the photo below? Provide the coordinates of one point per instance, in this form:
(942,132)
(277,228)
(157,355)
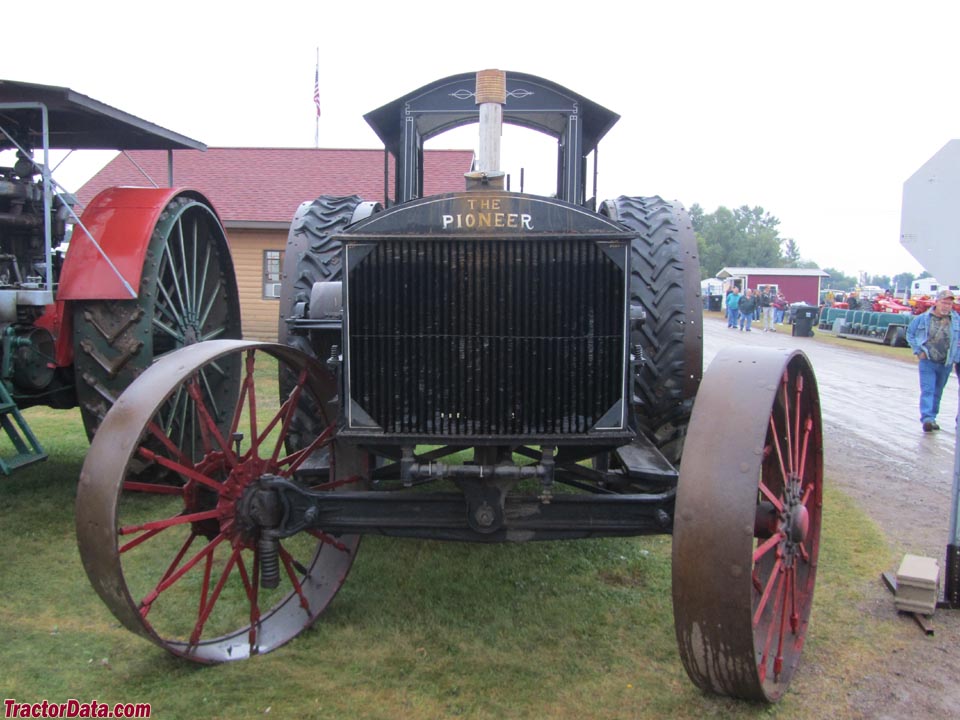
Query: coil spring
(269,549)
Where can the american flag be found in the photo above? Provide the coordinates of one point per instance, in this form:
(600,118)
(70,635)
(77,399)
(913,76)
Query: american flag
(316,89)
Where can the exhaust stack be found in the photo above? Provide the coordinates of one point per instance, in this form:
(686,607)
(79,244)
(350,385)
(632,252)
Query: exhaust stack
(491,96)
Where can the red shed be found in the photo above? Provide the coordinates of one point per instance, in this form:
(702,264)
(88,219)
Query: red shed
(797,284)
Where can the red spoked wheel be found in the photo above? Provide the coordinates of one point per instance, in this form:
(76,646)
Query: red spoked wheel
(175,560)
(747,523)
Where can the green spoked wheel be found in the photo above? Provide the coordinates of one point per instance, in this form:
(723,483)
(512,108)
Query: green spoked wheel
(187,294)
(181,562)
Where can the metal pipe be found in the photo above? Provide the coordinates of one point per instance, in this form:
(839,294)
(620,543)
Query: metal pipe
(47,199)
(491,96)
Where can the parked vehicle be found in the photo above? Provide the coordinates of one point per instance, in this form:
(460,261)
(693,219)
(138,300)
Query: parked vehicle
(147,271)
(481,366)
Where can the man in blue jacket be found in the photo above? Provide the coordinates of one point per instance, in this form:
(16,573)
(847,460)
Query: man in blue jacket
(934,337)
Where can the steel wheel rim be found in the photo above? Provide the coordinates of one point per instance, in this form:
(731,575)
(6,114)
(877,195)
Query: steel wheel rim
(181,573)
(748,521)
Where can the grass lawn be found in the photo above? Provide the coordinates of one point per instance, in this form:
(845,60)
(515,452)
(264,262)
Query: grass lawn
(579,629)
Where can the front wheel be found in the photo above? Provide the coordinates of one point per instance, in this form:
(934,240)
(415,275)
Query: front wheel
(180,561)
(747,523)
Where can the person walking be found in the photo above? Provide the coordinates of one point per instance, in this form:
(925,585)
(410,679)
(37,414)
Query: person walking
(748,305)
(766,308)
(934,337)
(733,307)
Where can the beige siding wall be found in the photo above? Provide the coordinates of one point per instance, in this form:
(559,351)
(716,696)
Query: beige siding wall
(259,315)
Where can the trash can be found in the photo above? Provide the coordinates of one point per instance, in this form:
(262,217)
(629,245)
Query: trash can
(804,321)
(716,302)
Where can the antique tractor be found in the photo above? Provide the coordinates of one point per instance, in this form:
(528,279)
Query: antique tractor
(148,270)
(481,366)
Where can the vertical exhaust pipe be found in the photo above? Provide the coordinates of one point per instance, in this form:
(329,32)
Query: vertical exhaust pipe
(491,96)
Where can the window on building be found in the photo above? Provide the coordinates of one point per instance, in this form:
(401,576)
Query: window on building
(272,262)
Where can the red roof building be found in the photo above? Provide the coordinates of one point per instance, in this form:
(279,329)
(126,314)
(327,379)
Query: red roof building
(256,192)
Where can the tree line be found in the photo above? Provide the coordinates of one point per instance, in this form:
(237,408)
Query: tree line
(748,237)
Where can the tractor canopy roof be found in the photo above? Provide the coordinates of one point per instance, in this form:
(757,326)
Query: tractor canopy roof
(77,122)
(577,123)
(532,102)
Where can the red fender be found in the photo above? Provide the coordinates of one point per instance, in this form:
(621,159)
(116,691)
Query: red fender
(122,221)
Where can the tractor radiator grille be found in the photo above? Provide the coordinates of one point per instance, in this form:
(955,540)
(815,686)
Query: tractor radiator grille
(485,337)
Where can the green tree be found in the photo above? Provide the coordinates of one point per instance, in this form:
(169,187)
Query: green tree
(902,281)
(838,281)
(742,237)
(791,253)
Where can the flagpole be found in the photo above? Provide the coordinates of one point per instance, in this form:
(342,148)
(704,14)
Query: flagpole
(316,102)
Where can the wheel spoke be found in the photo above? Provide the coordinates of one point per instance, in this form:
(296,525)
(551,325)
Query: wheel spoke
(141,539)
(172,267)
(776,444)
(133,486)
(251,587)
(247,394)
(157,432)
(291,408)
(288,564)
(769,544)
(184,470)
(169,522)
(768,494)
(796,410)
(296,459)
(765,655)
(786,425)
(329,540)
(211,398)
(147,602)
(175,563)
(207,423)
(188,304)
(778,660)
(207,607)
(802,459)
(169,331)
(772,580)
(211,303)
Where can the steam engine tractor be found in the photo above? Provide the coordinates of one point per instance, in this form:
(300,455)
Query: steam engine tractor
(147,269)
(482,366)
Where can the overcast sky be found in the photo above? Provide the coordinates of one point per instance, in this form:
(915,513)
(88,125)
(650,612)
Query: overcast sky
(816,111)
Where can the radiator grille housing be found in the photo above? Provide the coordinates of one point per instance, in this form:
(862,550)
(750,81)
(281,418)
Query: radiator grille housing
(481,337)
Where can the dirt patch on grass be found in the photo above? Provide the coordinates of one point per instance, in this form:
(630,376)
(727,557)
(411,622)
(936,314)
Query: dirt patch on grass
(920,678)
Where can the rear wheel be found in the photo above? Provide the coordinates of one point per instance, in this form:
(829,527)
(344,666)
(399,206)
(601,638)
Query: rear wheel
(312,255)
(747,523)
(188,293)
(665,283)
